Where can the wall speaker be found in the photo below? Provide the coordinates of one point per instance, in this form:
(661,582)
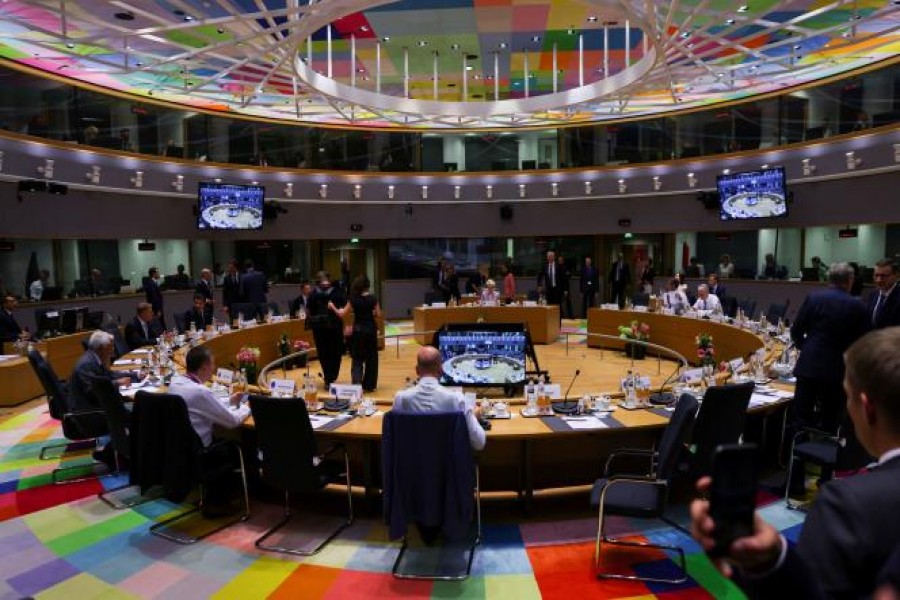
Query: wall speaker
(710,200)
(506,212)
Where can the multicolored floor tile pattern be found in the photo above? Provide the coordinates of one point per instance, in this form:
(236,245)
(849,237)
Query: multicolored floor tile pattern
(60,541)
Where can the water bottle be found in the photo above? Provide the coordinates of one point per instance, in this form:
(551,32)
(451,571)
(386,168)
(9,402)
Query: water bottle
(193,329)
(530,398)
(541,393)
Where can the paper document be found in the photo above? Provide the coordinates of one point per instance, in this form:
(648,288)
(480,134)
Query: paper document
(585,422)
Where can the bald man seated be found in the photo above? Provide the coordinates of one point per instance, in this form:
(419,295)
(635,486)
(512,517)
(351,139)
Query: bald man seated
(430,396)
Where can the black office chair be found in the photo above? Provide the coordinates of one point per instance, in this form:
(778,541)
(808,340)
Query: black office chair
(289,461)
(748,307)
(533,295)
(425,456)
(167,452)
(720,420)
(429,298)
(120,346)
(180,322)
(243,308)
(263,309)
(777,312)
(640,299)
(82,427)
(644,496)
(729,306)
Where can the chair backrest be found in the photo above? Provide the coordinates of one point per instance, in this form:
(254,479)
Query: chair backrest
(429,298)
(116,414)
(428,471)
(165,449)
(57,398)
(676,436)
(720,421)
(286,443)
(245,308)
(264,308)
(749,307)
(119,344)
(181,321)
(776,312)
(640,299)
(729,305)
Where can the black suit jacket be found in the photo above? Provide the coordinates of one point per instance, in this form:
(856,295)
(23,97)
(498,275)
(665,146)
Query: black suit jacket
(154,296)
(553,293)
(81,394)
(296,304)
(827,323)
(231,290)
(720,291)
(624,277)
(134,333)
(9,328)
(199,319)
(849,535)
(889,314)
(254,287)
(590,280)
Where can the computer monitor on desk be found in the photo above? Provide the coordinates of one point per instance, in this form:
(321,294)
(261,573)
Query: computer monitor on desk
(73,319)
(809,274)
(47,321)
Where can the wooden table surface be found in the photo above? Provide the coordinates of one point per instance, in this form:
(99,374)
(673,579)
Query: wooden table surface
(542,321)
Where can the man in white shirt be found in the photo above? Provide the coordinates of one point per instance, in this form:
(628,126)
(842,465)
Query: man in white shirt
(849,534)
(706,303)
(36,289)
(431,396)
(675,298)
(204,409)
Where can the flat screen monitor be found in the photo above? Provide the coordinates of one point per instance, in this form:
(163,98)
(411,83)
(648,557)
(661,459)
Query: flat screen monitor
(483,354)
(752,194)
(73,319)
(227,206)
(47,320)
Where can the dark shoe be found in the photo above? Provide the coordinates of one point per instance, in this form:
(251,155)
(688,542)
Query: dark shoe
(106,456)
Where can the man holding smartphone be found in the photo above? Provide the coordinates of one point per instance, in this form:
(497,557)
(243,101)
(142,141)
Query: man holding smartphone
(852,528)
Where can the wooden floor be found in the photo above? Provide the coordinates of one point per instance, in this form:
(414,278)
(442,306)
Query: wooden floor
(601,370)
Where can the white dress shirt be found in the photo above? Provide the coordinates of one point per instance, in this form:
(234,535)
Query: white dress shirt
(431,396)
(676,300)
(204,409)
(709,304)
(36,290)
(490,298)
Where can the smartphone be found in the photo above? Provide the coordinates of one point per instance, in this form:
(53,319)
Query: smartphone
(732,496)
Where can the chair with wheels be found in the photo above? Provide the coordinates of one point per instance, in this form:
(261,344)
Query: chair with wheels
(720,420)
(645,495)
(289,461)
(430,478)
(166,451)
(82,427)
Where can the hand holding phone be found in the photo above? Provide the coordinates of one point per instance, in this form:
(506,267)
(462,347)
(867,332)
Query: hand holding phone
(732,496)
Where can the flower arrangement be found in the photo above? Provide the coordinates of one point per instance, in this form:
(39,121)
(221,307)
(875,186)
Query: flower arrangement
(287,346)
(635,331)
(247,358)
(706,352)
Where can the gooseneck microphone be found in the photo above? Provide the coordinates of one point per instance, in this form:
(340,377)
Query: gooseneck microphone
(564,408)
(664,398)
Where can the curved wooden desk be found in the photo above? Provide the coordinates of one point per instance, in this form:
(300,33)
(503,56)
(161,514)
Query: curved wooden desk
(542,321)
(18,383)
(677,333)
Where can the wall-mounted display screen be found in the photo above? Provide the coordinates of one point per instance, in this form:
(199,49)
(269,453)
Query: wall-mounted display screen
(227,206)
(753,194)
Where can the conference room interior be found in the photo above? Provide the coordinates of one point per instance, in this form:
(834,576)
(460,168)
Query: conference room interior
(100,184)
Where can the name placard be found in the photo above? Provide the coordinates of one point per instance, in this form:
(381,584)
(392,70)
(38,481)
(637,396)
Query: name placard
(345,391)
(282,387)
(225,376)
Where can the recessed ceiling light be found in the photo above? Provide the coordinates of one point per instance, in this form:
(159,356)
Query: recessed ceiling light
(797,47)
(139,64)
(188,18)
(592,19)
(502,45)
(454,46)
(729,22)
(360,70)
(743,8)
(469,67)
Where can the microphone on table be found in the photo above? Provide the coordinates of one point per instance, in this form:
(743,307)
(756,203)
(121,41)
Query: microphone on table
(564,408)
(664,398)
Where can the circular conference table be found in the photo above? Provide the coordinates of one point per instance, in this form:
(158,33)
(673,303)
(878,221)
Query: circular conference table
(522,454)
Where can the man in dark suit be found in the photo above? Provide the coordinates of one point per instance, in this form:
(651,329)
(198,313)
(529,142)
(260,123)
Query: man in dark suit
(93,364)
(648,273)
(619,278)
(884,302)
(849,535)
(590,283)
(197,315)
(828,321)
(231,288)
(253,285)
(302,300)
(204,287)
(143,329)
(9,328)
(716,288)
(565,279)
(154,295)
(549,280)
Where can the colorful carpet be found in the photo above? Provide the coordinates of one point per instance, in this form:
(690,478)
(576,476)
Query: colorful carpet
(62,542)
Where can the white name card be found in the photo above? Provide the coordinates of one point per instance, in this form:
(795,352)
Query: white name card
(737,364)
(641,382)
(692,375)
(225,376)
(553,390)
(612,306)
(529,303)
(439,305)
(345,391)
(640,309)
(282,387)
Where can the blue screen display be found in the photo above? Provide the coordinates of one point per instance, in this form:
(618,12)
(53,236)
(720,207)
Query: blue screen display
(482,357)
(752,195)
(227,206)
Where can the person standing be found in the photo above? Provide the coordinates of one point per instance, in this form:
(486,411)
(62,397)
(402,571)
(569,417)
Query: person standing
(884,301)
(364,339)
(509,282)
(10,331)
(619,278)
(828,322)
(154,295)
(565,279)
(327,326)
(590,282)
(254,286)
(647,276)
(549,280)
(231,288)
(204,288)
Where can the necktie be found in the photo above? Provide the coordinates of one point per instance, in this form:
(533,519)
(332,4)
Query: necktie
(878,306)
(146,332)
(552,276)
(704,305)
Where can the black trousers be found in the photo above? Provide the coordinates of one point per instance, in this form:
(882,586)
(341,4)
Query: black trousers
(617,293)
(330,348)
(587,301)
(364,354)
(819,403)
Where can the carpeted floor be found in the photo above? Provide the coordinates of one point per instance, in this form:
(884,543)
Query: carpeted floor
(60,541)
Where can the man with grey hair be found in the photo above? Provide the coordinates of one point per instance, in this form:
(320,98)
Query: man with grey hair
(706,303)
(828,322)
(93,364)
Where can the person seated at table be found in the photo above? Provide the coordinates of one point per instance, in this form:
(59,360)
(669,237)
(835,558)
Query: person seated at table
(489,295)
(675,298)
(94,364)
(197,315)
(706,303)
(143,329)
(204,408)
(301,301)
(10,331)
(430,396)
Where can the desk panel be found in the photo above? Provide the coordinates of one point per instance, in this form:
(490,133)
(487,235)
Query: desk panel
(542,321)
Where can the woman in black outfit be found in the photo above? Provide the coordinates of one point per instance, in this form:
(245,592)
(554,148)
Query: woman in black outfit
(364,340)
(328,331)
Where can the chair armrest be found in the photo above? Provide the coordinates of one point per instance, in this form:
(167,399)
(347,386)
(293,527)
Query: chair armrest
(661,484)
(651,454)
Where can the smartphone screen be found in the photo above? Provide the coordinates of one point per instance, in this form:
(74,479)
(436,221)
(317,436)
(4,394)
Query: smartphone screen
(732,498)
